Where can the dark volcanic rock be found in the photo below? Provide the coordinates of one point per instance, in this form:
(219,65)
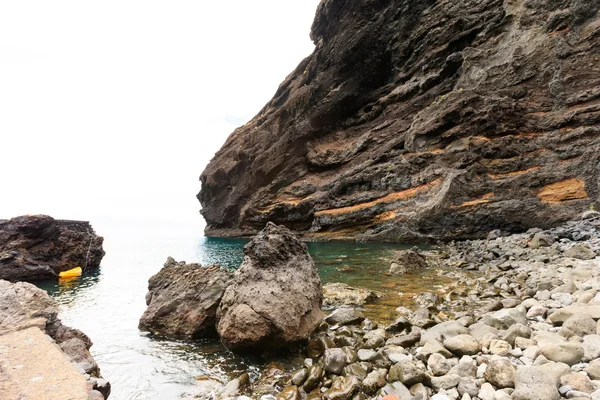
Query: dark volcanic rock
(183,299)
(276,296)
(422,119)
(39,247)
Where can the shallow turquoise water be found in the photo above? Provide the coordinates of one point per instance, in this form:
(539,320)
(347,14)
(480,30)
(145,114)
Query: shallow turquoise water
(107,304)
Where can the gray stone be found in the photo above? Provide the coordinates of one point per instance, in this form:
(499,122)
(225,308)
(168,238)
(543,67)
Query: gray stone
(463,345)
(374,381)
(334,360)
(445,382)
(374,339)
(345,316)
(581,252)
(515,331)
(500,373)
(591,347)
(504,319)
(578,325)
(568,353)
(534,383)
(440,365)
(407,373)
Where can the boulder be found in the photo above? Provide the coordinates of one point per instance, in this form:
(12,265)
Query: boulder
(500,373)
(407,260)
(534,383)
(463,345)
(275,296)
(578,324)
(183,299)
(38,247)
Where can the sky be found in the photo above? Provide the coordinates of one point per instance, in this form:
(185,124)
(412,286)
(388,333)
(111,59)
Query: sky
(113,108)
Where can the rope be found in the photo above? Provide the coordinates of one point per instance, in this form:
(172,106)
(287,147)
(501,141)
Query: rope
(89,248)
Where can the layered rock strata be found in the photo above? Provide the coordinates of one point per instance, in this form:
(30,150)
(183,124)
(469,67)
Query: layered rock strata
(37,247)
(525,327)
(418,120)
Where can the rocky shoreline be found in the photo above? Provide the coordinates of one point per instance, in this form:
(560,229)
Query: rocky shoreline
(25,310)
(519,322)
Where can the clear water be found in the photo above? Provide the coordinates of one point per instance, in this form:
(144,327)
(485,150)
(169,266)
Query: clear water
(107,304)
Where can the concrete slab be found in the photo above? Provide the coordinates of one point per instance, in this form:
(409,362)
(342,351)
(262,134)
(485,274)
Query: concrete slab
(33,368)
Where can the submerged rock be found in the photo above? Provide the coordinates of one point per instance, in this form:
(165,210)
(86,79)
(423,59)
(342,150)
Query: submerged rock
(275,297)
(37,247)
(341,294)
(183,299)
(407,260)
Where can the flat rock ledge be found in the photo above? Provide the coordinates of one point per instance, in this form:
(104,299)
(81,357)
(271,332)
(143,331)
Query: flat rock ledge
(38,247)
(40,358)
(519,321)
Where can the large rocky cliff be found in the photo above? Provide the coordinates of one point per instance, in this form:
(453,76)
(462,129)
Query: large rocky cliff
(422,119)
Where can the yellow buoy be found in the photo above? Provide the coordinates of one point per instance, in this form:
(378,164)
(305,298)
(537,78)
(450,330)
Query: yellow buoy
(72,273)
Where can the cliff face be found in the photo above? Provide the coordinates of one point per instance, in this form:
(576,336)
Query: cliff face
(426,119)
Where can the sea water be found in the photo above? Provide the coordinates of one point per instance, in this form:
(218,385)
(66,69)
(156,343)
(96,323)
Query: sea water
(108,303)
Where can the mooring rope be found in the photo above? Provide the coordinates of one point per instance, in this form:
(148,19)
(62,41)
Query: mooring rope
(89,248)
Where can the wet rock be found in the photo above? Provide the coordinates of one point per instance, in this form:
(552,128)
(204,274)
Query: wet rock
(299,376)
(374,381)
(407,373)
(345,316)
(183,299)
(407,260)
(356,370)
(500,373)
(374,339)
(342,388)
(334,360)
(463,345)
(315,373)
(289,393)
(399,325)
(275,297)
(406,340)
(37,247)
(341,294)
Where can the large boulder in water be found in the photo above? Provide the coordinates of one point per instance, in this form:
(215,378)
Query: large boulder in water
(183,299)
(276,295)
(36,247)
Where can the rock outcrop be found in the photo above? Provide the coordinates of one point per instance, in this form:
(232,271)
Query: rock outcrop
(276,296)
(39,247)
(417,120)
(407,260)
(25,309)
(183,299)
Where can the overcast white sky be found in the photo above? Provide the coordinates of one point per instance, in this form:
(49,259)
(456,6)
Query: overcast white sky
(114,107)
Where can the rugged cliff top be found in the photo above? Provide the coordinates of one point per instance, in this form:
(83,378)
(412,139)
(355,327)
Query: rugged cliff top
(419,120)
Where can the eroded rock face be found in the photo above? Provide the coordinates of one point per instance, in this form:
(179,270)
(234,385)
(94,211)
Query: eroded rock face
(183,299)
(39,247)
(417,120)
(276,296)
